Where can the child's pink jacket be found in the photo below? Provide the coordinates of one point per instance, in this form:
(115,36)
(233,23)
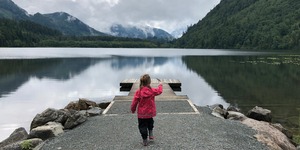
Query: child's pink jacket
(144,101)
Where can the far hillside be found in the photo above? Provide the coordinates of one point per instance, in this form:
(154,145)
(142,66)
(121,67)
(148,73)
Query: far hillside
(23,33)
(247,24)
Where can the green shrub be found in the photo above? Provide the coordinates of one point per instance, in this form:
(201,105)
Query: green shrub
(296,139)
(26,145)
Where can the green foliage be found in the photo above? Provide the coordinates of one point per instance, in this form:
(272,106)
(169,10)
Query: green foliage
(26,145)
(96,41)
(247,24)
(29,34)
(296,138)
(22,33)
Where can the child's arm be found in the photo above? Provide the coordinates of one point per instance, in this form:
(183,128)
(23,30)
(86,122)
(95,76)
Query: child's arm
(158,90)
(135,101)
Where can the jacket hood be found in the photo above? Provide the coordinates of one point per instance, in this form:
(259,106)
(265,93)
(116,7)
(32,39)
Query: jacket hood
(146,92)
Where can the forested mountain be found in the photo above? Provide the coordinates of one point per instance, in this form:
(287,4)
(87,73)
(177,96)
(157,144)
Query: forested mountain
(140,32)
(247,24)
(67,24)
(63,22)
(8,9)
(23,33)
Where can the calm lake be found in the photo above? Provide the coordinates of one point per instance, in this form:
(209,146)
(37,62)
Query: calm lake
(34,79)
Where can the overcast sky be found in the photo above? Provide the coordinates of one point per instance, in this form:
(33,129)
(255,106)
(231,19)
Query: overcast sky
(169,15)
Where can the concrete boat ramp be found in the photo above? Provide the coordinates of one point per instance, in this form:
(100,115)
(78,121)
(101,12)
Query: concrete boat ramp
(167,103)
(178,125)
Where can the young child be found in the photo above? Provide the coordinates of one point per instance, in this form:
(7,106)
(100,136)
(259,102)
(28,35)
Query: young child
(146,109)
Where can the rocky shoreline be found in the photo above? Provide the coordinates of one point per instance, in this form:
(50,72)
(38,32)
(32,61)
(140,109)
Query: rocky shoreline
(274,135)
(51,123)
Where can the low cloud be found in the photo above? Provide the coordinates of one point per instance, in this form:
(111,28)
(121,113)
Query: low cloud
(169,15)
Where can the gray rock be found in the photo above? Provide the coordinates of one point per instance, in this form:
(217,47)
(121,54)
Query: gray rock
(216,105)
(260,114)
(283,130)
(232,108)
(103,105)
(49,115)
(298,147)
(94,111)
(233,115)
(18,135)
(82,104)
(72,105)
(74,119)
(51,129)
(219,112)
(25,144)
(268,134)
(84,112)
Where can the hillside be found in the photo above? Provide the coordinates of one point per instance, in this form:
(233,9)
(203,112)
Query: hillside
(66,23)
(8,9)
(23,33)
(247,24)
(61,21)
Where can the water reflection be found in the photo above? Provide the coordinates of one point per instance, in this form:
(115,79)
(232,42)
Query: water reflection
(271,82)
(39,84)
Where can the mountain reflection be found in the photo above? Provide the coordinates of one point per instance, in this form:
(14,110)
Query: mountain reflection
(14,73)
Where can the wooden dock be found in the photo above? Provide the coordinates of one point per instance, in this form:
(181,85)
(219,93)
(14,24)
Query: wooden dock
(168,102)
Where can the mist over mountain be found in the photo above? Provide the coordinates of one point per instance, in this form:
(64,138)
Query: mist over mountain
(145,32)
(70,25)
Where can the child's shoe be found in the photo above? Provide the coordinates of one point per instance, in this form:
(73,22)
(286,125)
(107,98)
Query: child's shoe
(145,142)
(151,137)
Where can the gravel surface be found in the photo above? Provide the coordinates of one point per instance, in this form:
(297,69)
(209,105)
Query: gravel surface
(171,131)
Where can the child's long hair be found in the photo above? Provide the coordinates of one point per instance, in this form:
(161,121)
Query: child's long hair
(145,80)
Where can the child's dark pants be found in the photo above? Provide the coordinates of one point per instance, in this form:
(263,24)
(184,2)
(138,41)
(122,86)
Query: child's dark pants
(145,125)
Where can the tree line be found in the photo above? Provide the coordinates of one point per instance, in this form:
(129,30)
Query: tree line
(247,24)
(28,34)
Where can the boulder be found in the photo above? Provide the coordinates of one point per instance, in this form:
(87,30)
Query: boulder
(74,119)
(283,130)
(269,135)
(26,144)
(51,129)
(232,108)
(219,112)
(103,105)
(72,105)
(260,114)
(82,104)
(49,115)
(233,115)
(216,105)
(94,111)
(68,118)
(84,112)
(18,135)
